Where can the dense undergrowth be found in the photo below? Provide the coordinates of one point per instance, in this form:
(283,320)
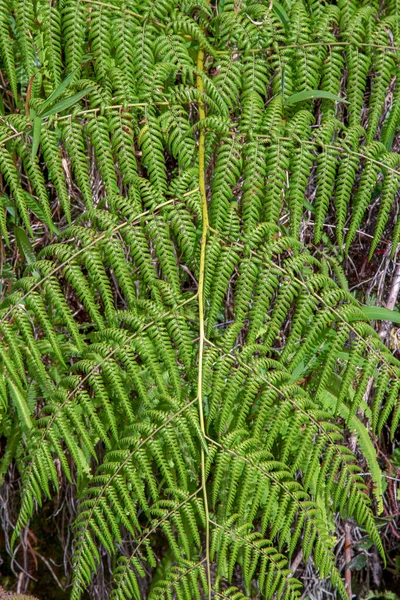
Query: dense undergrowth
(188,389)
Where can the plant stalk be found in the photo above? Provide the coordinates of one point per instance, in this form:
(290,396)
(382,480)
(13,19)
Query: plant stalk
(203,244)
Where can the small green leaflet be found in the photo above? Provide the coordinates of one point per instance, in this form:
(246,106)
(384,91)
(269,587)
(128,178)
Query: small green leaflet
(357,563)
(281,13)
(63,86)
(37,118)
(24,245)
(308,205)
(58,107)
(66,103)
(59,90)
(35,207)
(3,219)
(37,128)
(46,110)
(379,313)
(389,140)
(13,440)
(310,95)
(20,404)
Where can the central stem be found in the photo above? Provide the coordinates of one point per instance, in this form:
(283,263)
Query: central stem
(203,243)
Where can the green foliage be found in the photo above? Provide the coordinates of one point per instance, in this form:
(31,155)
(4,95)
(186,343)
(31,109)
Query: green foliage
(101,370)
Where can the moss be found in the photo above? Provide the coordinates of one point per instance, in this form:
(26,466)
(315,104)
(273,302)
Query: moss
(11,596)
(17,597)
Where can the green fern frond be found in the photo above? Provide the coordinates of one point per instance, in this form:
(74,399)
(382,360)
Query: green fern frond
(6,47)
(74,16)
(11,177)
(363,195)
(173,346)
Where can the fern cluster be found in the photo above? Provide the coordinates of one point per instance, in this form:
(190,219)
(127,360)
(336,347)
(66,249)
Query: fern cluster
(181,349)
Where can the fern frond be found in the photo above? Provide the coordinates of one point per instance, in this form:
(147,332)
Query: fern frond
(326,170)
(52,157)
(186,365)
(384,65)
(347,172)
(25,17)
(357,65)
(150,140)
(51,25)
(176,127)
(6,47)
(389,192)
(97,128)
(11,176)
(74,16)
(367,182)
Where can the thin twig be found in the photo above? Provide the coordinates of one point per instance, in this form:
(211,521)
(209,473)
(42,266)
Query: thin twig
(347,558)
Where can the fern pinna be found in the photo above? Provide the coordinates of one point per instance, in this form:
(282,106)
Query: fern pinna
(181,348)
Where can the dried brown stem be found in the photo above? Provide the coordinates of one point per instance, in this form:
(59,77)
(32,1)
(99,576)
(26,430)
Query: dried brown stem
(347,558)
